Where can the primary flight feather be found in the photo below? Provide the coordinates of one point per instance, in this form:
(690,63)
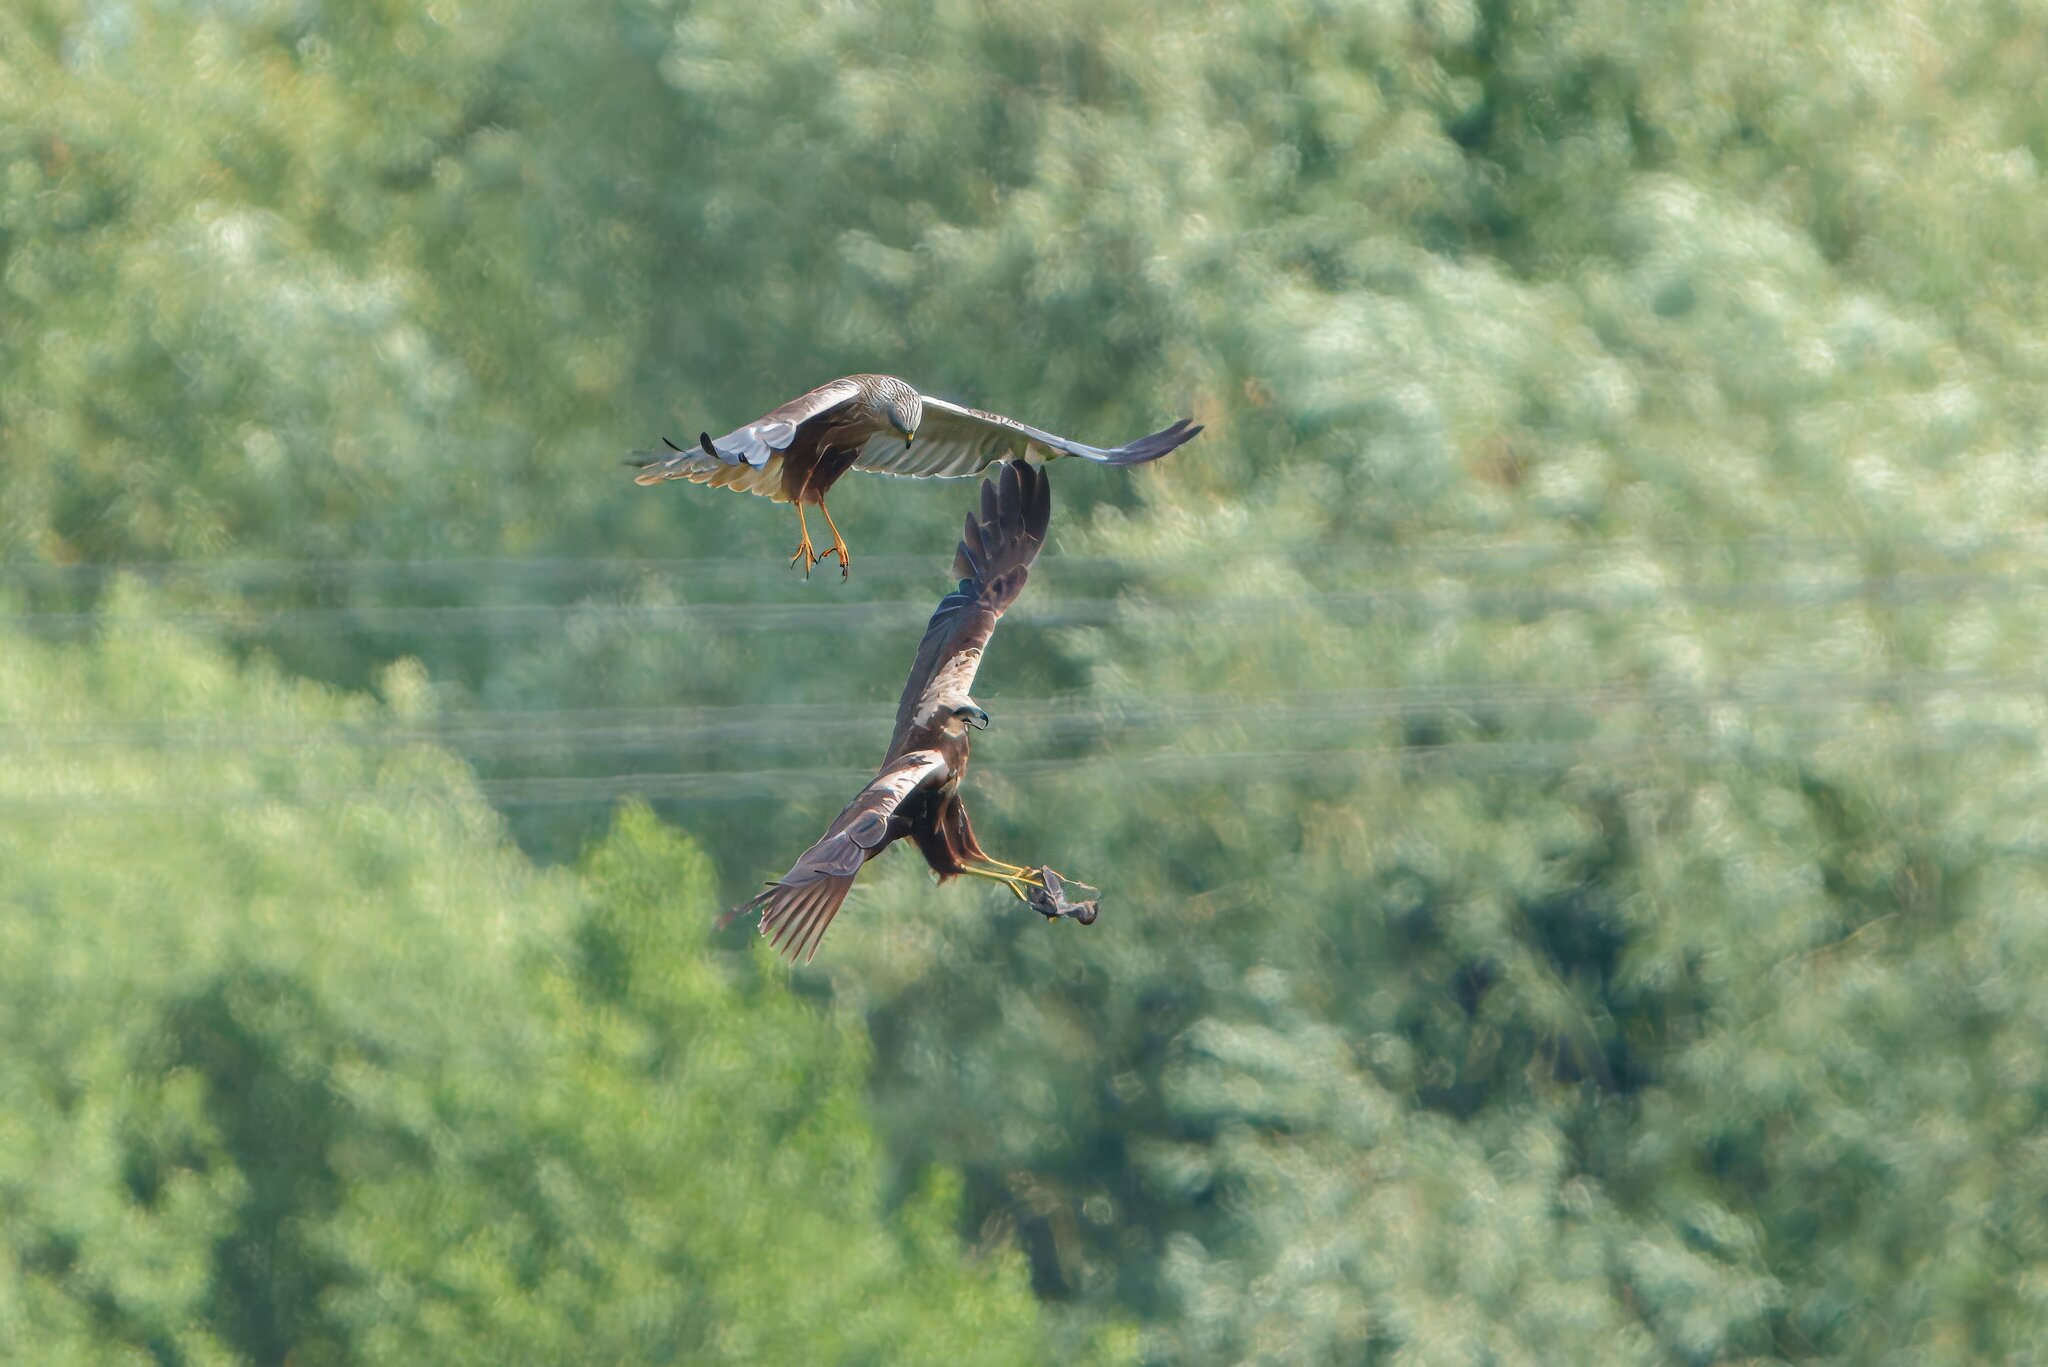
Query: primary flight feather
(795,453)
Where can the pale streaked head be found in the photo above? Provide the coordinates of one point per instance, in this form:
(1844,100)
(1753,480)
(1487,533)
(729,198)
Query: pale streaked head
(905,412)
(895,405)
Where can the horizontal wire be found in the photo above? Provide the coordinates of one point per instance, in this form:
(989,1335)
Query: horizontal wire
(720,787)
(1175,768)
(570,566)
(1063,716)
(1444,601)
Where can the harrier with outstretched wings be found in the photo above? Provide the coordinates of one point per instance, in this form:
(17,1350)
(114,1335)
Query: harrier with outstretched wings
(917,792)
(796,453)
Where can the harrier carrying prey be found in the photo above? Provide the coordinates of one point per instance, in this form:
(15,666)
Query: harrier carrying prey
(917,792)
(870,422)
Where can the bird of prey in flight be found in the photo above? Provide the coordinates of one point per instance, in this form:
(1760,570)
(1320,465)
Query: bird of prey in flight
(795,453)
(917,792)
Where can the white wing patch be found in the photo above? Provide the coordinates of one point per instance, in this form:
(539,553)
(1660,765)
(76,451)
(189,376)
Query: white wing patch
(896,784)
(756,442)
(951,682)
(909,770)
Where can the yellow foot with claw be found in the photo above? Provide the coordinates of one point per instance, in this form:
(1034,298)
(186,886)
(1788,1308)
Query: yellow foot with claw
(808,554)
(1016,871)
(838,542)
(1021,882)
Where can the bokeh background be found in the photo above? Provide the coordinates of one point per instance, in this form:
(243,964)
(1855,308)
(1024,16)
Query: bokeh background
(1563,751)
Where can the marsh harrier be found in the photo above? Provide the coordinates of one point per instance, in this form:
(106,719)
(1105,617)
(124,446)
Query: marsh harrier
(917,793)
(795,453)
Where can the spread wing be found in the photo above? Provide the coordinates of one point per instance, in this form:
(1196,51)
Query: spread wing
(796,908)
(993,561)
(954,441)
(740,459)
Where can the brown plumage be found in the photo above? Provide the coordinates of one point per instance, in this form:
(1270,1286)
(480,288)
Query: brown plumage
(917,793)
(795,453)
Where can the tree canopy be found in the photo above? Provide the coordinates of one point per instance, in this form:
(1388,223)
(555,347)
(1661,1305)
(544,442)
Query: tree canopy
(306,1064)
(1562,750)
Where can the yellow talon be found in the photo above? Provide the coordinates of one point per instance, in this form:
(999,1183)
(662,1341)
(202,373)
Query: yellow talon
(805,551)
(838,543)
(1016,882)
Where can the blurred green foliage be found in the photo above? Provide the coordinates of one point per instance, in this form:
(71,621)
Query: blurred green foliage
(330,1074)
(1563,751)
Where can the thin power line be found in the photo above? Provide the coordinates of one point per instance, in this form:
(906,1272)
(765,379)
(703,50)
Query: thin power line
(1063,717)
(1448,601)
(1159,768)
(414,569)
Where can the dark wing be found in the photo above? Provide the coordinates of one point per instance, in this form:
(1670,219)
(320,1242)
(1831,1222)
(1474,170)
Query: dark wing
(953,441)
(796,908)
(993,561)
(740,458)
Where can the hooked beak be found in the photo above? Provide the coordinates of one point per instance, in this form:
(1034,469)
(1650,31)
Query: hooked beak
(908,437)
(975,718)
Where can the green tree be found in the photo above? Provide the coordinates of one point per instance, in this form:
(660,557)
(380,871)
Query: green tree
(1560,748)
(306,1062)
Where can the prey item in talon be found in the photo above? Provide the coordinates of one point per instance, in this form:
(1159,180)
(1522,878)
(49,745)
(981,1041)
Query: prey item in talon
(1052,901)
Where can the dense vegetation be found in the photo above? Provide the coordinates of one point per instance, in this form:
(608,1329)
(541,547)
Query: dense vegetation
(1563,751)
(325,1072)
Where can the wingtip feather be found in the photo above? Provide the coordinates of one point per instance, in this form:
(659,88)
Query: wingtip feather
(794,916)
(968,554)
(814,928)
(1016,509)
(751,904)
(1152,447)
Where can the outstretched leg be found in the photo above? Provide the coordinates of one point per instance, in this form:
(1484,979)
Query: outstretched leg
(996,872)
(804,550)
(838,546)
